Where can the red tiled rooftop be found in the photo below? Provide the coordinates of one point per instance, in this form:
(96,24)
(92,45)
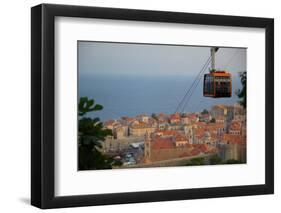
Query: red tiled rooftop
(175,116)
(109,122)
(235,125)
(200,124)
(233,139)
(166,132)
(192,116)
(195,151)
(185,154)
(141,125)
(162,143)
(180,137)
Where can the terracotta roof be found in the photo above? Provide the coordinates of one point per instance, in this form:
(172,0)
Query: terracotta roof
(180,137)
(162,116)
(109,122)
(175,116)
(199,131)
(141,125)
(235,125)
(201,124)
(233,139)
(163,143)
(166,132)
(192,116)
(185,154)
(195,151)
(214,126)
(203,147)
(206,115)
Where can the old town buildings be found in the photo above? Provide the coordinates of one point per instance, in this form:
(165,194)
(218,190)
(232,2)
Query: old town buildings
(158,137)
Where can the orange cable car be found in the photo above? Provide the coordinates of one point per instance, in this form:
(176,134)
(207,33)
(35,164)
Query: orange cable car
(217,84)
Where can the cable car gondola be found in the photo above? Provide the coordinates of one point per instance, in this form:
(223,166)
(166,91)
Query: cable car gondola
(217,84)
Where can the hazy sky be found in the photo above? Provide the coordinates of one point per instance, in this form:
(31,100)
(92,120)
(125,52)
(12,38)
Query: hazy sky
(136,59)
(130,79)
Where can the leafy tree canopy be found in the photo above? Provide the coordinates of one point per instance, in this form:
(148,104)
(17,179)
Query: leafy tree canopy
(242,93)
(91,136)
(205,112)
(215,159)
(196,162)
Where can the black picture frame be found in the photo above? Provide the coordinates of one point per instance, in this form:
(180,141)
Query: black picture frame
(43,101)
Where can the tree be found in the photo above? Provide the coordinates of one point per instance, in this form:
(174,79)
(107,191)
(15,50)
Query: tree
(196,162)
(205,112)
(213,120)
(154,116)
(91,136)
(242,93)
(215,159)
(183,114)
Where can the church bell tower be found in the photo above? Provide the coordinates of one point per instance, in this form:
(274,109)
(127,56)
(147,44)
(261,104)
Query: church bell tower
(147,144)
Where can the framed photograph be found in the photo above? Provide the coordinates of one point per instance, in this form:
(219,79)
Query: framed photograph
(136,106)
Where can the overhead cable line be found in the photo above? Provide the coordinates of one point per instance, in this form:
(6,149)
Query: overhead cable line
(194,88)
(194,82)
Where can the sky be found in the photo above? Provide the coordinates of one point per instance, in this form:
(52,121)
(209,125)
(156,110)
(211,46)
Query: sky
(130,79)
(139,59)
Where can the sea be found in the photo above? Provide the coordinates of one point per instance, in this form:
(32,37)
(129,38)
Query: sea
(131,95)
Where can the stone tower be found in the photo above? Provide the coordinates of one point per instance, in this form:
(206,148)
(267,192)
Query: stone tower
(147,144)
(189,133)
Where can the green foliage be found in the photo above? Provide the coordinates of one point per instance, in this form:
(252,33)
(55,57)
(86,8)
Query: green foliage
(215,159)
(242,93)
(91,136)
(85,105)
(92,130)
(196,162)
(205,112)
(154,116)
(213,120)
(201,119)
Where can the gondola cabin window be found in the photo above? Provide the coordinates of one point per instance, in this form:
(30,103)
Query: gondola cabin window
(217,84)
